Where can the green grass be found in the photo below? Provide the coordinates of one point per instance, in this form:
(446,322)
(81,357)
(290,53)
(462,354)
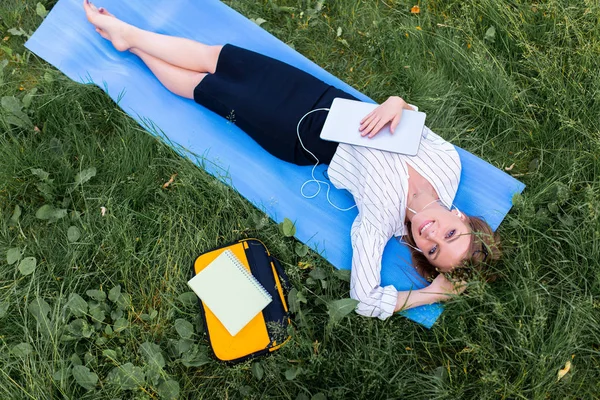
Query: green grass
(526,95)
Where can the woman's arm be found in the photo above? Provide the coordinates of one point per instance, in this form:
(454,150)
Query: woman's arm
(441,289)
(368,242)
(389,111)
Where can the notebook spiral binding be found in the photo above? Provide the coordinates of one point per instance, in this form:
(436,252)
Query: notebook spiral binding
(236,261)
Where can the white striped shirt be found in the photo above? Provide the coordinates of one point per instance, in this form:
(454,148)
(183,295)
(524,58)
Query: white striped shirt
(378,180)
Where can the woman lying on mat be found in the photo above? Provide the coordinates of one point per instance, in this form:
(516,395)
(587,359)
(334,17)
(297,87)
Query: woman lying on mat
(396,195)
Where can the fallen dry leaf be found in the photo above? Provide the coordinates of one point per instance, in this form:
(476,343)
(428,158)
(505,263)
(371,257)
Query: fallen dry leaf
(563,372)
(171,180)
(510,168)
(415,9)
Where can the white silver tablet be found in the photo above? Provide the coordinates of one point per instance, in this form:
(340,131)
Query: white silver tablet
(343,122)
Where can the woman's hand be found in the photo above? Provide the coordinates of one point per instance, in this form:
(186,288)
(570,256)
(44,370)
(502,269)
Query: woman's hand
(389,111)
(442,287)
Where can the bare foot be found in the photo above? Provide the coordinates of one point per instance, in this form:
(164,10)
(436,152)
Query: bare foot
(108,26)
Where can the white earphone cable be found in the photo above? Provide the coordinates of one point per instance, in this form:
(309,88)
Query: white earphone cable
(318,182)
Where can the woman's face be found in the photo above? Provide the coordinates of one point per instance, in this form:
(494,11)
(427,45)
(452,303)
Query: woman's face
(443,236)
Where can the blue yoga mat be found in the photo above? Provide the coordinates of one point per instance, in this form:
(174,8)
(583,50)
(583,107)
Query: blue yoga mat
(66,40)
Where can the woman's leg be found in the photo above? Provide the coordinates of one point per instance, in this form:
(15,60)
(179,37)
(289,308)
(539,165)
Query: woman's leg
(180,52)
(178,80)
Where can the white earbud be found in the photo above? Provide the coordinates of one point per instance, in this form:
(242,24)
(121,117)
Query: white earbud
(412,247)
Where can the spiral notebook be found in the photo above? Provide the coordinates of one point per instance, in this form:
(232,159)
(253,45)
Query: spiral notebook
(230,291)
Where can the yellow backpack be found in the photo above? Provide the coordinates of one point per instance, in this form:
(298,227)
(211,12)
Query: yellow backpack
(267,331)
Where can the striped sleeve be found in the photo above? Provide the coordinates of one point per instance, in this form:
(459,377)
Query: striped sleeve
(368,243)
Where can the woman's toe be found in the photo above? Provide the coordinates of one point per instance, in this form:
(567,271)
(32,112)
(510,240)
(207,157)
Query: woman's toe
(103,11)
